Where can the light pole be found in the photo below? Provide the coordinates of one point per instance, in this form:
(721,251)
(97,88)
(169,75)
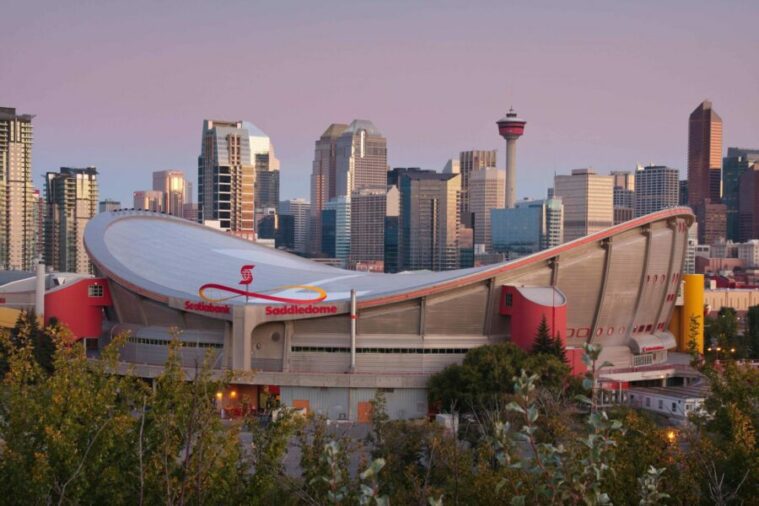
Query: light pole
(220,402)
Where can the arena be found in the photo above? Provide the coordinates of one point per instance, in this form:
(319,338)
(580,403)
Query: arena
(326,339)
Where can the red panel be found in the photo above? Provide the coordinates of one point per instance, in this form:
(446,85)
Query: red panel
(72,305)
(527,315)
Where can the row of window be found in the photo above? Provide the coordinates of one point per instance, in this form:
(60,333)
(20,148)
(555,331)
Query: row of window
(421,351)
(163,342)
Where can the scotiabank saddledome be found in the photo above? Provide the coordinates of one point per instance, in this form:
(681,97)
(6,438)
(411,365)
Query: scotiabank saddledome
(291,320)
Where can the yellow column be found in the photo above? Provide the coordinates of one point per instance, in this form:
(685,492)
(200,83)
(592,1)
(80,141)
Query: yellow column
(693,307)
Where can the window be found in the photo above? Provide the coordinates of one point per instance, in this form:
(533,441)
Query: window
(648,402)
(674,407)
(95,291)
(661,404)
(509,299)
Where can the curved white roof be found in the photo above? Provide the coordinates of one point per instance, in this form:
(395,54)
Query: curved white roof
(165,256)
(162,256)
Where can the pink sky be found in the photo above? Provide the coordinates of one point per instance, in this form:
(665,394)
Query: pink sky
(125,86)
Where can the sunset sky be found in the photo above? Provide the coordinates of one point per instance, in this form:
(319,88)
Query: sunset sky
(125,86)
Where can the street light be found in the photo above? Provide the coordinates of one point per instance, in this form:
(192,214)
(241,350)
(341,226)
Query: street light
(219,400)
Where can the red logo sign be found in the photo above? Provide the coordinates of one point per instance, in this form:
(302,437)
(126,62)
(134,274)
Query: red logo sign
(214,292)
(246,271)
(206,307)
(292,309)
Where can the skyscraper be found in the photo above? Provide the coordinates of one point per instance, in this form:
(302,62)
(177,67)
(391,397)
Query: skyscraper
(470,162)
(588,202)
(323,180)
(734,165)
(107,205)
(705,173)
(368,210)
(429,221)
(392,229)
(173,187)
(656,188)
(624,196)
(531,226)
(361,158)
(231,152)
(17,225)
(148,200)
(300,210)
(487,190)
(704,155)
(71,196)
(748,204)
(336,228)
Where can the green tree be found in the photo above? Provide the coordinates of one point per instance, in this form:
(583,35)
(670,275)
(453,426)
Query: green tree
(543,342)
(68,436)
(753,331)
(186,453)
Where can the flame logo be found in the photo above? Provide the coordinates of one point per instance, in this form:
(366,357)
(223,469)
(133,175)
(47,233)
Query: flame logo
(246,272)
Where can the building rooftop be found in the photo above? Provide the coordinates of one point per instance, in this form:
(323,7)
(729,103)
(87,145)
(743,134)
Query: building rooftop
(362,124)
(164,257)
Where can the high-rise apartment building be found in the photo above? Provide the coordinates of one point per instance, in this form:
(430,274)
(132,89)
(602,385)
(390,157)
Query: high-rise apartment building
(17,226)
(705,172)
(323,180)
(108,205)
(734,165)
(174,189)
(487,190)
(300,210)
(361,158)
(531,226)
(40,211)
(588,200)
(624,196)
(71,196)
(470,162)
(656,188)
(232,152)
(429,220)
(148,200)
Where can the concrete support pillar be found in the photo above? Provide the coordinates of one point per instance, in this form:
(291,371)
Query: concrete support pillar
(511,173)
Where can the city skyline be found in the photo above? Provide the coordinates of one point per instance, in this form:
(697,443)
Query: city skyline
(147,85)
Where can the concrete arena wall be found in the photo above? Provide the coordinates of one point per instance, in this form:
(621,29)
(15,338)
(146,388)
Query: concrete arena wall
(618,289)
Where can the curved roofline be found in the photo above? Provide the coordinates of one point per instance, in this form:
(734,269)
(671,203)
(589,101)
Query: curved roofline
(675,212)
(97,227)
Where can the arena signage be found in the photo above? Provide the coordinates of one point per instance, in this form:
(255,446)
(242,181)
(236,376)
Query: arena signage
(214,292)
(207,307)
(293,310)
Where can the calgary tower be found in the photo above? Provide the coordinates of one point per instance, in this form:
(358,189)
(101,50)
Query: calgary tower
(511,128)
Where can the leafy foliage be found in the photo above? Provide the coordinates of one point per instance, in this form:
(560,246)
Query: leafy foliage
(485,378)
